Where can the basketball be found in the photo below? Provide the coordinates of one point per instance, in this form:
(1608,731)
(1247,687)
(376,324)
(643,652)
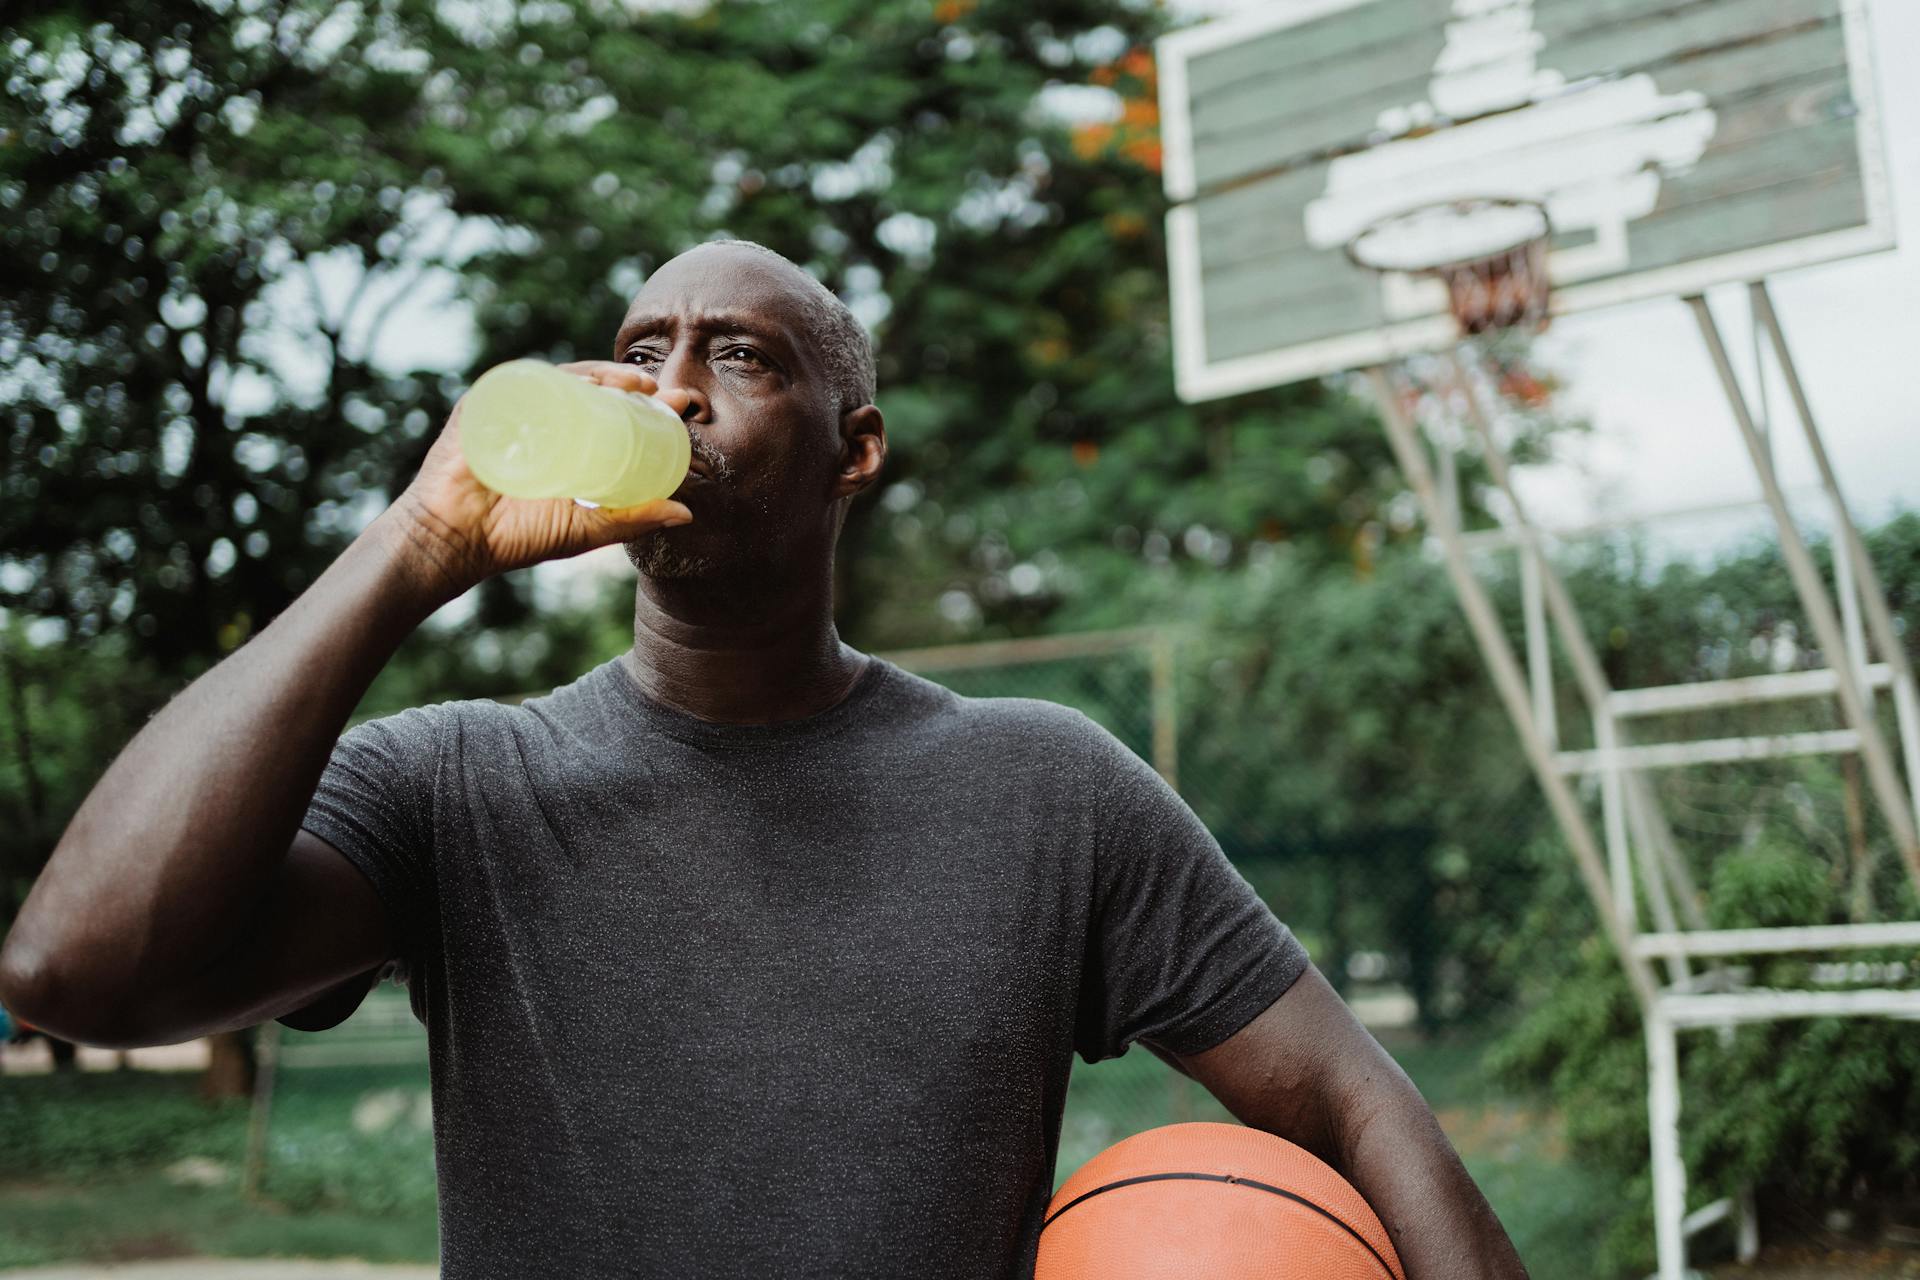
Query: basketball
(1216,1200)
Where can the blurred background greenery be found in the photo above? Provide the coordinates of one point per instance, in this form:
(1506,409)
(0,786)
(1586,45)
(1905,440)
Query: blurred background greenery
(251,251)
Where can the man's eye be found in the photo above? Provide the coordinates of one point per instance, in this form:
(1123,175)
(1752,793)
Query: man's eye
(738,352)
(642,356)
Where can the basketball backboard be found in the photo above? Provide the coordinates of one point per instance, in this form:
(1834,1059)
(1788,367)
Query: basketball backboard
(1675,144)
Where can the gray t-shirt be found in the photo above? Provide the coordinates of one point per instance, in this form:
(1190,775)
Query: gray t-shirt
(796,999)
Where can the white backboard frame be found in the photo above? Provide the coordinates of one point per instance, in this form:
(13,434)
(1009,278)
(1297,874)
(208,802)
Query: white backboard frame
(1197,377)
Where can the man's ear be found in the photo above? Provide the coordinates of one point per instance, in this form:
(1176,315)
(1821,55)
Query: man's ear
(863,449)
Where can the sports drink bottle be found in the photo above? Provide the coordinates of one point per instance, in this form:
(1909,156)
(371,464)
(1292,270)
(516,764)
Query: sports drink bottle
(530,430)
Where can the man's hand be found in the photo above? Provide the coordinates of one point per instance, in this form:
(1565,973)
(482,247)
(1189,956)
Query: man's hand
(1307,1071)
(466,532)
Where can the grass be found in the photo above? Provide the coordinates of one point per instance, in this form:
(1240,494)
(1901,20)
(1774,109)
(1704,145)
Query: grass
(350,1174)
(85,1157)
(137,1216)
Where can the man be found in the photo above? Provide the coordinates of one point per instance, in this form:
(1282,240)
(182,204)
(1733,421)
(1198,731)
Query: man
(746,953)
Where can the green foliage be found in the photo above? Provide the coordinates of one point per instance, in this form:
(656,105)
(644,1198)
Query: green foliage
(478,658)
(320,1159)
(143,1216)
(78,1126)
(1582,1046)
(1842,1095)
(1347,745)
(211,221)
(175,471)
(337,1170)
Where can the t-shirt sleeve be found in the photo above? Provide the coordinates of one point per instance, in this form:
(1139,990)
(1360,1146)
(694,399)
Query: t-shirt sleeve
(1181,952)
(375,805)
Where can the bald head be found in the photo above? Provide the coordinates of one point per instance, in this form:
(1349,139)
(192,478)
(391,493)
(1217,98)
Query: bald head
(845,351)
(779,384)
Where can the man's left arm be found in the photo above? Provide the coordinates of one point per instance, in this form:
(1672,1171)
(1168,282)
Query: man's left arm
(1307,1071)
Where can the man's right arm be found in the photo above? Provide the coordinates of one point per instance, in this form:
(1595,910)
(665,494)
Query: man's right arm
(184,897)
(189,848)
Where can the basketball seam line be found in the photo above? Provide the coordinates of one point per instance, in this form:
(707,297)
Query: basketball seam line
(1328,1214)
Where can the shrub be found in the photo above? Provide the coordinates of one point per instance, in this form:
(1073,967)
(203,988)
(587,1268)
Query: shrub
(75,1126)
(1810,1114)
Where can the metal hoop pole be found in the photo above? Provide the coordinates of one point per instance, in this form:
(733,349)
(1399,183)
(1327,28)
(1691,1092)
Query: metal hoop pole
(1871,595)
(1588,673)
(1659,895)
(266,1073)
(1539,651)
(1669,1169)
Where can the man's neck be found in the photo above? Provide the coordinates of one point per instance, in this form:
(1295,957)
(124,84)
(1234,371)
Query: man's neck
(738,653)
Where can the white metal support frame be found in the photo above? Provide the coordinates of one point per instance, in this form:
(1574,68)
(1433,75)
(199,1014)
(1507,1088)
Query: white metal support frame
(1634,857)
(1672,1014)
(1852,679)
(1860,583)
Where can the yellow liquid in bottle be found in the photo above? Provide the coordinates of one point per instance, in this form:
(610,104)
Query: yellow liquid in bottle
(529,430)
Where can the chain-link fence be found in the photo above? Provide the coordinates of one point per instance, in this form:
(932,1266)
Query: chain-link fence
(344,1118)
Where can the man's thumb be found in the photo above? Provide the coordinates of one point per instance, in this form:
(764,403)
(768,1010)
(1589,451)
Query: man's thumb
(626,522)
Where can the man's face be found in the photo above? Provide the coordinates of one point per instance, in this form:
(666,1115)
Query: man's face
(726,325)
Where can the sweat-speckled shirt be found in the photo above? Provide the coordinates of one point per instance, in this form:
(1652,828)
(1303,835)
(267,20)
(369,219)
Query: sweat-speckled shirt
(797,1000)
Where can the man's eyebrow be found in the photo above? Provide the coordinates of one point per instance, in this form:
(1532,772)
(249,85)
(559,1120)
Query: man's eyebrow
(725,322)
(637,327)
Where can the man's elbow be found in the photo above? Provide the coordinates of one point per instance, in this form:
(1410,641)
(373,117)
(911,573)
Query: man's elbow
(29,983)
(38,988)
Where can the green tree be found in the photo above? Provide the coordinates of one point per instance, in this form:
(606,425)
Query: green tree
(216,210)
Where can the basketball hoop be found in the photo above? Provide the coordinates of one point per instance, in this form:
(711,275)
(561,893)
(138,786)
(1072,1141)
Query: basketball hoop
(1491,253)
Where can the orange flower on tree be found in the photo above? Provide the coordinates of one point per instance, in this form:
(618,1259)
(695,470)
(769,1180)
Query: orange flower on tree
(1136,134)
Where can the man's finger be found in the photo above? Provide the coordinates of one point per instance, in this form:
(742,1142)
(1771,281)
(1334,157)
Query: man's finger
(625,377)
(628,378)
(677,399)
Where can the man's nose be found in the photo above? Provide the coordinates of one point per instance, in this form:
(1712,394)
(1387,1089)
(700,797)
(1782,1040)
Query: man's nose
(680,386)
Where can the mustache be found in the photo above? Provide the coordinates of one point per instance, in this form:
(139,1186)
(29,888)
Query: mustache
(719,466)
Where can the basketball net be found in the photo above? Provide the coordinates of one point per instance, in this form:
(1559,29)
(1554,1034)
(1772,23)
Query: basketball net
(1504,291)
(1491,253)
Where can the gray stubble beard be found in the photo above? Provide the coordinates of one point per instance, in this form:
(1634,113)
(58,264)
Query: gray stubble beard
(653,555)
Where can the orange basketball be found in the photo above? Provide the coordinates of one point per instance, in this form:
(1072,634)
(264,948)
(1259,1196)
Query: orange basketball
(1220,1201)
